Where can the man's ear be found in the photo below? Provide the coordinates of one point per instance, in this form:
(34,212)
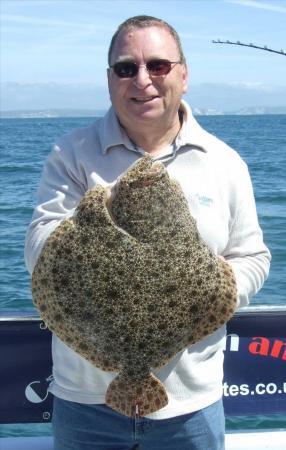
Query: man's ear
(185,76)
(109,75)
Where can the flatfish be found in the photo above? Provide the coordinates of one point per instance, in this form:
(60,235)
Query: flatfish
(128,283)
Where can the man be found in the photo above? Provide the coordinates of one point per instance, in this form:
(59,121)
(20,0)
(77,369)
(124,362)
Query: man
(147,78)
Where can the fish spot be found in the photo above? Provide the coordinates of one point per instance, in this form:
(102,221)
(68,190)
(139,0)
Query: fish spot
(58,317)
(64,281)
(169,289)
(113,294)
(172,304)
(151,308)
(84,239)
(43,308)
(228,295)
(110,244)
(194,309)
(83,346)
(88,316)
(88,292)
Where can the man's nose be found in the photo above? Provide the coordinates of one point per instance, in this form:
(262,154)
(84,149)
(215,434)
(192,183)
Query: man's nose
(142,79)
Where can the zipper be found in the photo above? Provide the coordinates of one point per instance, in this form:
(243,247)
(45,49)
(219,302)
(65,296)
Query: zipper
(136,420)
(136,413)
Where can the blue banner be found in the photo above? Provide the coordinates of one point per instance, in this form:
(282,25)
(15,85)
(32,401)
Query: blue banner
(254,382)
(25,373)
(255,364)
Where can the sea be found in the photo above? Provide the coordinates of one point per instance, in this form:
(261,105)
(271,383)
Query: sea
(24,146)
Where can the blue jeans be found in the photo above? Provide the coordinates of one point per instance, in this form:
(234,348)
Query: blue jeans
(97,427)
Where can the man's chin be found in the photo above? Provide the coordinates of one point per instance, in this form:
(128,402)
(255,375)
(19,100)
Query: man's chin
(145,113)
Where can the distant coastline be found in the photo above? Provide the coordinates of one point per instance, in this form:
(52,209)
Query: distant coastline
(58,113)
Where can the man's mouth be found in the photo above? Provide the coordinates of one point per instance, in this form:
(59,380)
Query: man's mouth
(143,99)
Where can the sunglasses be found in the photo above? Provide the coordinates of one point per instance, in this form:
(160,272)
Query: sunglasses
(155,68)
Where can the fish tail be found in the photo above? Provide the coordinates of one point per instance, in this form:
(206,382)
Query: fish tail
(136,398)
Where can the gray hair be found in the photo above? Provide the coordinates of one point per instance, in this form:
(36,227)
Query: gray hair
(145,22)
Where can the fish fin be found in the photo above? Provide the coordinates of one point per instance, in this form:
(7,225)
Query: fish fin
(92,209)
(138,398)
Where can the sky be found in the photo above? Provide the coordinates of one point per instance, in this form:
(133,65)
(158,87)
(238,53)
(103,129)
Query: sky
(57,49)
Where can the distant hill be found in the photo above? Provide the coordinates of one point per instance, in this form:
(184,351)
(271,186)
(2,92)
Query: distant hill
(55,113)
(247,111)
(85,99)
(259,110)
(51,113)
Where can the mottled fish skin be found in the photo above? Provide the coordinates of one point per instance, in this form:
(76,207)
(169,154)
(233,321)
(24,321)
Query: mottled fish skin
(128,283)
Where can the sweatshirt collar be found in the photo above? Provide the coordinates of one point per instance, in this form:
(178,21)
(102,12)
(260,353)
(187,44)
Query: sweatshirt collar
(113,134)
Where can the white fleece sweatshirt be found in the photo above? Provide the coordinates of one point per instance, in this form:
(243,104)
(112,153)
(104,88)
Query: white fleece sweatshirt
(217,186)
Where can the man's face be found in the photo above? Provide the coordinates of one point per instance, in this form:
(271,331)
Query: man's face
(145,99)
